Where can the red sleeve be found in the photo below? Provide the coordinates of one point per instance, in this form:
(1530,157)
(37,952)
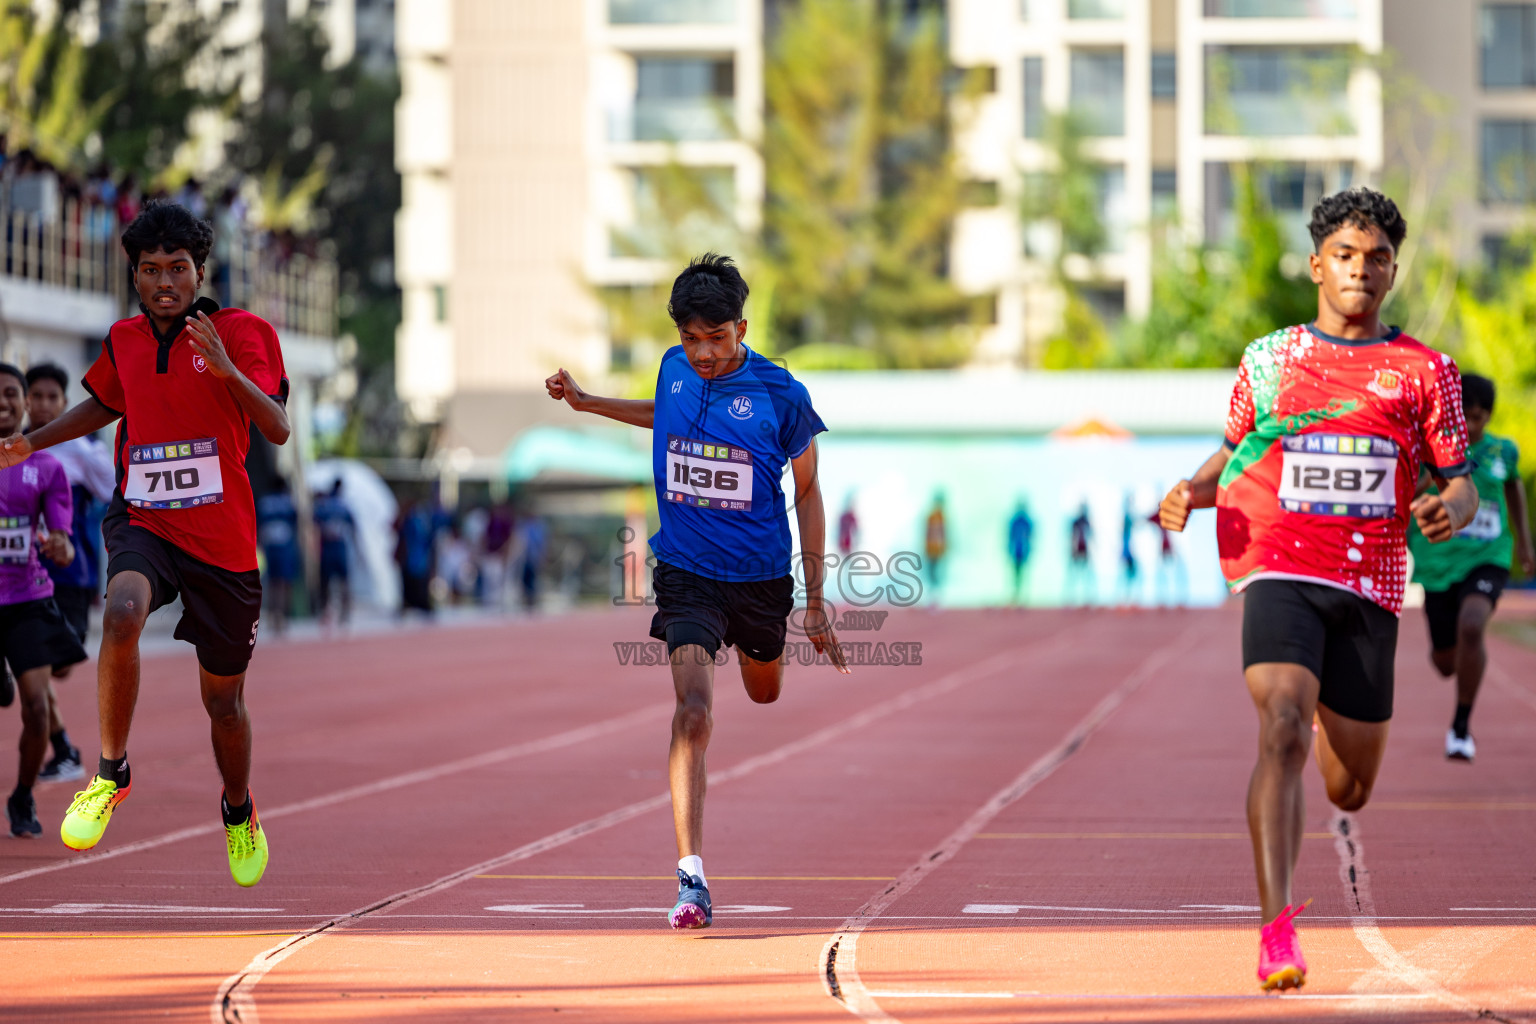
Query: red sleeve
(1240,415)
(1442,424)
(258,355)
(102,381)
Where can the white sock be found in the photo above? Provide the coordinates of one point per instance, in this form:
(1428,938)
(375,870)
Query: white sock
(693,865)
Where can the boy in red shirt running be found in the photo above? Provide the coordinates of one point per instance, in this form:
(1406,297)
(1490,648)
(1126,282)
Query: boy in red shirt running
(1313,490)
(188,381)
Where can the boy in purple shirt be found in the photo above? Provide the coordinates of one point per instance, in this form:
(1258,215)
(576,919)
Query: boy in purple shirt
(35,513)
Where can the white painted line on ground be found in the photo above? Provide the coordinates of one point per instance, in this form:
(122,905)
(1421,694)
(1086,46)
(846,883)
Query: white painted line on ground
(1139,997)
(235,1002)
(564,909)
(570,737)
(136,909)
(1395,968)
(1014,908)
(839,957)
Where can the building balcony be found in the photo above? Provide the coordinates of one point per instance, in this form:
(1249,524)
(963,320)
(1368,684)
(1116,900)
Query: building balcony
(673,120)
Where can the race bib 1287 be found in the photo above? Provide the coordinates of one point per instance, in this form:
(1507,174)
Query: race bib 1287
(1339,475)
(185,474)
(714,476)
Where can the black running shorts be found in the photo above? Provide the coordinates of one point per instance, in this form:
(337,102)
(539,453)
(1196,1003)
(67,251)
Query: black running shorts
(694,609)
(1349,643)
(75,605)
(1443,607)
(221,608)
(34,634)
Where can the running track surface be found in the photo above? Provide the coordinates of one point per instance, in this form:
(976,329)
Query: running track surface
(1042,822)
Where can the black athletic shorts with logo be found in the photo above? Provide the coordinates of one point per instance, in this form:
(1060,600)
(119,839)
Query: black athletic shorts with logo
(34,634)
(694,609)
(1348,642)
(1443,607)
(220,607)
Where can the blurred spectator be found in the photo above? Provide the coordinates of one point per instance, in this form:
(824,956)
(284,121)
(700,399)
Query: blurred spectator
(1128,568)
(338,537)
(935,544)
(1080,563)
(277,529)
(1021,533)
(847,530)
(129,199)
(498,549)
(191,196)
(415,553)
(228,226)
(534,538)
(35,189)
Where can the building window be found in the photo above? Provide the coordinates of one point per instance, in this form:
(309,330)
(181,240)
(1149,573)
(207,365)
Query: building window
(1031,10)
(1509,161)
(1098,90)
(1165,76)
(1106,301)
(672,203)
(1274,90)
(1165,193)
(1034,101)
(440,303)
(1332,10)
(979,193)
(671,12)
(1110,189)
(1508,43)
(1289,189)
(1096,9)
(679,99)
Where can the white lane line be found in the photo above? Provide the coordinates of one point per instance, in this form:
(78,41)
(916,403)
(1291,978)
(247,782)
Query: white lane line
(1014,908)
(1393,965)
(570,737)
(839,963)
(1139,997)
(235,1002)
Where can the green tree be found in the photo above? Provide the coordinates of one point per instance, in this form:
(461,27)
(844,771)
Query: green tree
(319,141)
(862,187)
(45,102)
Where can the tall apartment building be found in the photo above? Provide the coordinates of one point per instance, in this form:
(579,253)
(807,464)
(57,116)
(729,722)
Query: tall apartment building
(528,133)
(528,136)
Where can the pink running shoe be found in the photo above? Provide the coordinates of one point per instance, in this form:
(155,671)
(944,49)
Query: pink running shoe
(1281,965)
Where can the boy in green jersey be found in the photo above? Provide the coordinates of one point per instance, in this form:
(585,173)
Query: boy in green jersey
(1464,576)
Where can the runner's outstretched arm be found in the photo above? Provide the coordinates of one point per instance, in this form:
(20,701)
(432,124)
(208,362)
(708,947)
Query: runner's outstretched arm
(637,412)
(1519,518)
(1441,515)
(265,411)
(1199,491)
(86,418)
(811,515)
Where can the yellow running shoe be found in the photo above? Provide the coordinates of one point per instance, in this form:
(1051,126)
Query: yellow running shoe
(247,850)
(87,817)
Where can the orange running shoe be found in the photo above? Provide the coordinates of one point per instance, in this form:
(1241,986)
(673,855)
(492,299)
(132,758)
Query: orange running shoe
(1281,965)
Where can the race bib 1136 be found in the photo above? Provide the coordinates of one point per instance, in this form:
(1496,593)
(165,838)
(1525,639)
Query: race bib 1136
(705,475)
(185,474)
(1339,475)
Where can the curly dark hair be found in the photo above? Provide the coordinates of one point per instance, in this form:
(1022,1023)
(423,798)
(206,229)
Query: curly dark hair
(166,226)
(1477,392)
(711,289)
(1359,206)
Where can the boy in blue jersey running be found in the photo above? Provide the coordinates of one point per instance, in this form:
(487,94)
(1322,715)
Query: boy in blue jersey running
(725,420)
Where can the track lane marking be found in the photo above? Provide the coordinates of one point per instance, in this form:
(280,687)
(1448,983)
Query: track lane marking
(1392,964)
(1130,835)
(235,1001)
(839,964)
(718,878)
(527,748)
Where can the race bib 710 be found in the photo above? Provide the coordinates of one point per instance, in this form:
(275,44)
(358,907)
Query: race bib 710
(1339,475)
(180,475)
(714,476)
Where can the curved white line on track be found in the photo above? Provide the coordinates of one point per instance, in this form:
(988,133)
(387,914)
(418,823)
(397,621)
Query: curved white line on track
(570,737)
(839,963)
(235,1002)
(1356,879)
(1509,686)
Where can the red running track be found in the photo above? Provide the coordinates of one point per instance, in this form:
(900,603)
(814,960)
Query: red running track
(1042,822)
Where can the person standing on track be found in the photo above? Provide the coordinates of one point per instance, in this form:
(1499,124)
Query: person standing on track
(188,381)
(88,468)
(725,421)
(1329,424)
(1463,577)
(34,638)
